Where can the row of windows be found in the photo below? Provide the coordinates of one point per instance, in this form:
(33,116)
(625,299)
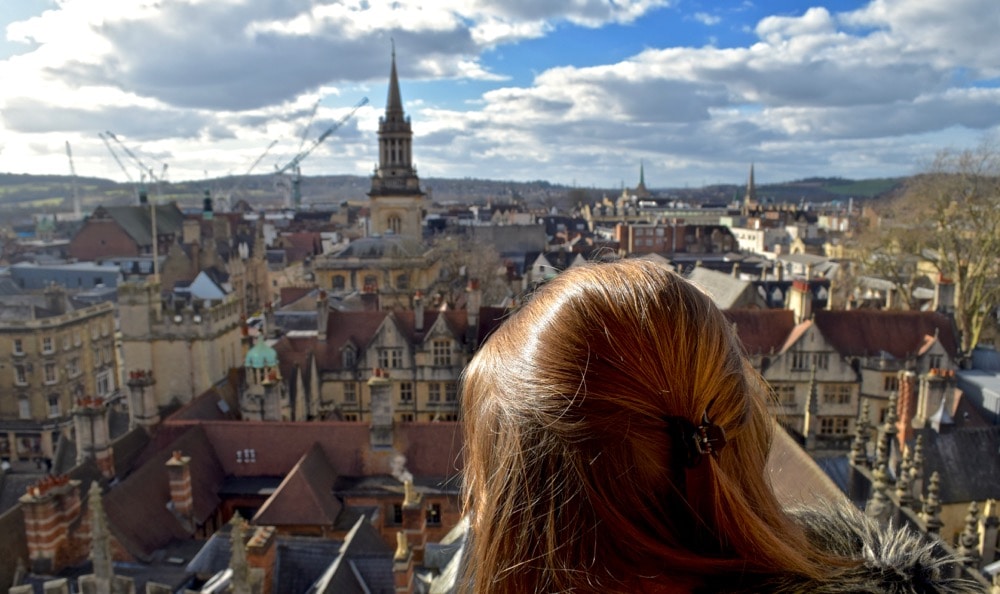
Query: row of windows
(50,370)
(339,282)
(435,390)
(410,417)
(69,339)
(392,358)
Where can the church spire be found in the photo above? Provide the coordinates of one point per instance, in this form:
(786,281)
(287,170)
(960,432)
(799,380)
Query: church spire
(394,103)
(750,199)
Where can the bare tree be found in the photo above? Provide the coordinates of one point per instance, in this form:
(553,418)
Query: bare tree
(950,216)
(463,260)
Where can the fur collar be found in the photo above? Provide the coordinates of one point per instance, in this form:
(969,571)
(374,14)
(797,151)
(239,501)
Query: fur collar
(892,560)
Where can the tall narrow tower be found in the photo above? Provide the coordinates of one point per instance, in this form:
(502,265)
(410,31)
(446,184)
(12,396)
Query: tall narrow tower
(397,202)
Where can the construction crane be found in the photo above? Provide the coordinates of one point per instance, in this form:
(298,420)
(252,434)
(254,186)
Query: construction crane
(294,197)
(77,210)
(228,194)
(144,172)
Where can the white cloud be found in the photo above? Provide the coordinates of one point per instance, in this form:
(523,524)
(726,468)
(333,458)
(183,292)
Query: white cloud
(208,84)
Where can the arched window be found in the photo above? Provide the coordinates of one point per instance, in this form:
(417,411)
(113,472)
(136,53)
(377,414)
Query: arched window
(395,224)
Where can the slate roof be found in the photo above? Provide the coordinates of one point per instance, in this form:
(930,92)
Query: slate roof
(137,508)
(762,331)
(431,449)
(725,290)
(364,565)
(300,561)
(135,220)
(902,334)
(305,496)
(967,460)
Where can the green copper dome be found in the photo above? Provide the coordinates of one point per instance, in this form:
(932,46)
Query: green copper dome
(261,356)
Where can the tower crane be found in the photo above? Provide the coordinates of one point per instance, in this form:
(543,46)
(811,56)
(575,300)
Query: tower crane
(228,194)
(144,171)
(295,196)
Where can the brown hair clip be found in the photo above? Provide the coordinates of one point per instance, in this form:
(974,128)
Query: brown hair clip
(692,441)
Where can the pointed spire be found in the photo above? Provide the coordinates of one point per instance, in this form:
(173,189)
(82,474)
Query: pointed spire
(931,511)
(100,537)
(969,538)
(859,448)
(642,173)
(812,411)
(903,484)
(394,103)
(878,505)
(238,560)
(750,199)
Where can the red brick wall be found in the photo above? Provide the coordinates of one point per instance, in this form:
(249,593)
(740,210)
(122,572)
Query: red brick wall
(101,239)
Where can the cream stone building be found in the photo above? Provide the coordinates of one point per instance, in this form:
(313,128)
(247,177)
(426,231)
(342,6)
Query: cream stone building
(53,351)
(188,344)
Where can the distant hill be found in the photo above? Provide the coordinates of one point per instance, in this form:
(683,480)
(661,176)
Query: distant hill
(29,194)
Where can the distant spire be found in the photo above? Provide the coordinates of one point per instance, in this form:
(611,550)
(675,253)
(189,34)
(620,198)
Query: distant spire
(642,173)
(750,199)
(394,104)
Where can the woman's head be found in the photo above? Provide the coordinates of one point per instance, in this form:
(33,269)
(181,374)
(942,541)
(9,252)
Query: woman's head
(573,480)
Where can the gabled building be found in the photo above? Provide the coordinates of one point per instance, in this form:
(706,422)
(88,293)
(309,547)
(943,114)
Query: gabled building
(123,231)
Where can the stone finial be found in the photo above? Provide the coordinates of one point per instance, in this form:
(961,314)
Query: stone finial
(878,505)
(100,537)
(969,538)
(903,484)
(931,510)
(238,560)
(859,447)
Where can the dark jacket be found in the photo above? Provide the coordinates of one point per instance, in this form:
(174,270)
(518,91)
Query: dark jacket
(892,560)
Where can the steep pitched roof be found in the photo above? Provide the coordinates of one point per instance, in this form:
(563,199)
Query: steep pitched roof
(358,328)
(900,333)
(967,460)
(725,290)
(137,507)
(762,331)
(136,222)
(305,496)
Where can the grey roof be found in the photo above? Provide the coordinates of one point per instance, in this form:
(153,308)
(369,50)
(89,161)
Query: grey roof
(300,561)
(135,220)
(726,291)
(967,460)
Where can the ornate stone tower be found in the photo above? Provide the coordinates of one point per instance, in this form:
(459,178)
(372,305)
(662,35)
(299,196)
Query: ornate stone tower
(397,203)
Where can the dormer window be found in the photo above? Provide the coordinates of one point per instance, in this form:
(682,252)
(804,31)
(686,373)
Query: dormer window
(350,357)
(441,351)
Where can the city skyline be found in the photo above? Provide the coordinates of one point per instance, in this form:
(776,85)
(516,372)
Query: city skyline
(574,93)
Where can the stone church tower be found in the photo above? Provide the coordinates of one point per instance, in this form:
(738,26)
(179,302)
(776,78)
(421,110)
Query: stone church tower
(397,203)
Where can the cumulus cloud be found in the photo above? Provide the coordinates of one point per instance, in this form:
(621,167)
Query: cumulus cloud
(215,81)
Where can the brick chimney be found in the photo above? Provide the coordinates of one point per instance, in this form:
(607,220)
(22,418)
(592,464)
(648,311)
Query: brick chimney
(142,407)
(93,439)
(906,405)
(369,298)
(414,520)
(261,553)
(50,506)
(418,311)
(800,300)
(402,565)
(936,387)
(181,492)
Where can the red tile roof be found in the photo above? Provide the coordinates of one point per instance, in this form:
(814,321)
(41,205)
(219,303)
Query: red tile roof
(305,497)
(899,333)
(137,507)
(762,331)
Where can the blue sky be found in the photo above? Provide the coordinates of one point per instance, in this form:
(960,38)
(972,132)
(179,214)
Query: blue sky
(569,91)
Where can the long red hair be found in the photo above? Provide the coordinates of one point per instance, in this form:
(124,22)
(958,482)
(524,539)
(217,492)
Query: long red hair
(571,483)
